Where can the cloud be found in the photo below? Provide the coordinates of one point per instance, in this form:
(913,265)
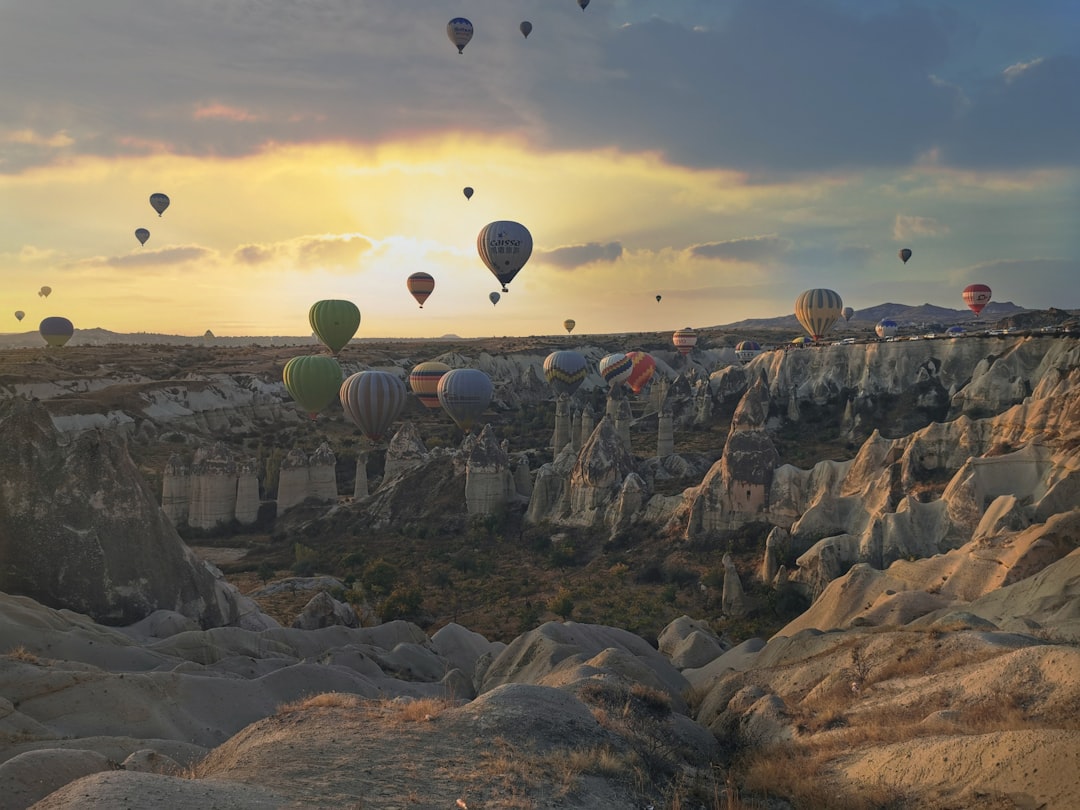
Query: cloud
(307,252)
(572,256)
(746,249)
(28,137)
(1015,71)
(224,112)
(909,227)
(163,257)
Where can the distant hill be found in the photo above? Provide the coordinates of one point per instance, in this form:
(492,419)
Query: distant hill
(921,315)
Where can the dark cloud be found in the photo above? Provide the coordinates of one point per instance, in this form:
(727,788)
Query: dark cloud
(748,249)
(573,256)
(768,87)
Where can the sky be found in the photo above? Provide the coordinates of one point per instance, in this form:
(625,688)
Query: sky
(723,154)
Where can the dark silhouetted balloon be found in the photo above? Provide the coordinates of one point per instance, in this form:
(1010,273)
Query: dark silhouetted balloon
(142,235)
(525,28)
(904,254)
(56,331)
(159,202)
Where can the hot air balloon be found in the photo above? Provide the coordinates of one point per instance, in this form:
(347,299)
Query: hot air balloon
(19,314)
(421,286)
(460,32)
(372,400)
(848,313)
(468,192)
(955,331)
(464,393)
(424,382)
(817,311)
(800,341)
(747,350)
(886,328)
(976,296)
(142,235)
(525,28)
(504,246)
(334,322)
(569,325)
(583,3)
(56,331)
(494,298)
(159,202)
(312,381)
(658,298)
(642,366)
(44,292)
(615,369)
(565,371)
(904,254)
(685,340)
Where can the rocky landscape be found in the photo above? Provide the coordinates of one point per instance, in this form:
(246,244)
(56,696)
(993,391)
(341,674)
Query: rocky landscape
(843,577)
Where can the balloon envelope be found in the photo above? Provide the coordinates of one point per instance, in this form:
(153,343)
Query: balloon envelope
(955,331)
(372,400)
(159,202)
(525,28)
(747,350)
(886,328)
(424,382)
(142,235)
(642,366)
(19,314)
(464,393)
(583,3)
(421,286)
(460,31)
(569,325)
(848,313)
(658,298)
(801,340)
(615,369)
(817,311)
(904,254)
(468,192)
(334,322)
(565,371)
(976,296)
(504,246)
(56,331)
(313,381)
(685,340)
(494,298)
(44,292)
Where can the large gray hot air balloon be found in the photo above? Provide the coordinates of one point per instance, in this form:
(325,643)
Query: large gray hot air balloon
(504,246)
(464,394)
(460,31)
(372,400)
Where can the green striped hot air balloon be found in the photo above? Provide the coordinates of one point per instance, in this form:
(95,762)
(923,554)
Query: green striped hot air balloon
(335,322)
(312,381)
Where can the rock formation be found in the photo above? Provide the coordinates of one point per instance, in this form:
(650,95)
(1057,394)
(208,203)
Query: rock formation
(302,477)
(217,488)
(489,481)
(85,533)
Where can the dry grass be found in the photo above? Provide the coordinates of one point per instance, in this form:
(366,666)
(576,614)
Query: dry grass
(21,653)
(323,700)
